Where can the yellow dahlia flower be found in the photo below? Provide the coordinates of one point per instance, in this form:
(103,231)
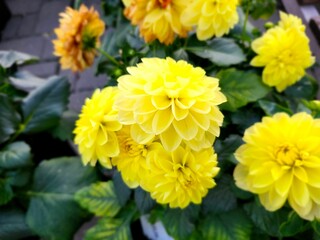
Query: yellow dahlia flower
(131,161)
(180,177)
(158,19)
(77,37)
(288,21)
(171,99)
(280,161)
(96,126)
(211,17)
(284,53)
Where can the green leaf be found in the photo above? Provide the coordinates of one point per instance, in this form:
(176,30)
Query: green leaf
(6,192)
(180,223)
(293,225)
(26,81)
(269,222)
(316,226)
(15,155)
(8,58)
(225,148)
(43,107)
(306,88)
(110,229)
(180,54)
(220,198)
(9,118)
(220,51)
(271,108)
(259,8)
(66,125)
(143,200)
(19,177)
(99,198)
(123,192)
(233,225)
(13,225)
(240,88)
(52,197)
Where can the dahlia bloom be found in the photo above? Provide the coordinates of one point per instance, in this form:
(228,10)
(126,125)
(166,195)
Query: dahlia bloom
(173,100)
(77,37)
(288,21)
(211,17)
(131,162)
(96,126)
(280,161)
(284,53)
(157,19)
(180,177)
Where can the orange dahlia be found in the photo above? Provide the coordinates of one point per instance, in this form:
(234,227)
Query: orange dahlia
(77,37)
(157,19)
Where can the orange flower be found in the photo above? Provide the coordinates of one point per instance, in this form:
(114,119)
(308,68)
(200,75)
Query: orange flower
(157,19)
(77,37)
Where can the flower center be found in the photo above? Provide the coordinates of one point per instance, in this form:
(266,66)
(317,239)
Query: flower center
(164,3)
(134,149)
(184,174)
(289,155)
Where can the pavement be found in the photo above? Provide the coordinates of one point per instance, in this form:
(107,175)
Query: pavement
(31,30)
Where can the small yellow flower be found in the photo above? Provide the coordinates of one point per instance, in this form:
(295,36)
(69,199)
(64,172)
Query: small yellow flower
(77,37)
(284,53)
(96,126)
(158,19)
(180,177)
(280,161)
(211,17)
(131,161)
(171,99)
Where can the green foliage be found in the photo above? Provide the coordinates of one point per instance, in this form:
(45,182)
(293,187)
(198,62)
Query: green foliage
(269,222)
(43,106)
(9,58)
(271,108)
(240,88)
(121,189)
(110,229)
(232,225)
(259,8)
(99,198)
(66,125)
(180,223)
(13,225)
(117,228)
(6,192)
(15,155)
(26,81)
(52,197)
(220,198)
(143,200)
(220,51)
(9,118)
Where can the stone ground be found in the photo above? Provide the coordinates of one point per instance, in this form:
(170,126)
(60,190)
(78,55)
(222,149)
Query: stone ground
(30,30)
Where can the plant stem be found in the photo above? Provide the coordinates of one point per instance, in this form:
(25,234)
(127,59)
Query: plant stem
(246,20)
(108,56)
(17,133)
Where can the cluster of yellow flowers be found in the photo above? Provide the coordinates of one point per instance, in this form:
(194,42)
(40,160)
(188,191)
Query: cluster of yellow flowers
(280,161)
(158,127)
(284,53)
(164,19)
